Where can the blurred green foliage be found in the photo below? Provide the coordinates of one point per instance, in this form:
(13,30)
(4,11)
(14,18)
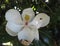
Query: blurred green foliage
(49,35)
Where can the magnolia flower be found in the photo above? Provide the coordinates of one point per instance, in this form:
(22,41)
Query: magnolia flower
(25,25)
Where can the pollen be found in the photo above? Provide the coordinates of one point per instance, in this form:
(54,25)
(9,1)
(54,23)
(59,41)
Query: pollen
(27,17)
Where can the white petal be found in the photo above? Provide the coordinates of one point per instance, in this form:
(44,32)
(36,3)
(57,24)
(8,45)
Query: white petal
(36,35)
(14,27)
(10,32)
(28,12)
(26,34)
(35,30)
(13,16)
(41,20)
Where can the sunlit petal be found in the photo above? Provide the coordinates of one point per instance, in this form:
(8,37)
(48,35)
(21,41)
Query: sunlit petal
(14,27)
(26,34)
(36,35)
(13,16)
(28,14)
(35,30)
(10,32)
(41,20)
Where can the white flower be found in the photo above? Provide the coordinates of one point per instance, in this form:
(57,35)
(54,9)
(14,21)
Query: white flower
(25,25)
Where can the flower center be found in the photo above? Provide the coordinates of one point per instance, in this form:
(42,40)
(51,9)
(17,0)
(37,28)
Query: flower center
(26,23)
(27,17)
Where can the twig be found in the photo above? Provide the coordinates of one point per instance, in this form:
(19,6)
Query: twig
(47,7)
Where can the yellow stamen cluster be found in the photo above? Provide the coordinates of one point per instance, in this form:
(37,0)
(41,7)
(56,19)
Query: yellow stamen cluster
(27,17)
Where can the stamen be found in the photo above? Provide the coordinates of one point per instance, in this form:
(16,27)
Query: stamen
(27,17)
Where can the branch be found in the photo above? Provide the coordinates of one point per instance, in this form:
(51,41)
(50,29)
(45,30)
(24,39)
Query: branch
(47,7)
